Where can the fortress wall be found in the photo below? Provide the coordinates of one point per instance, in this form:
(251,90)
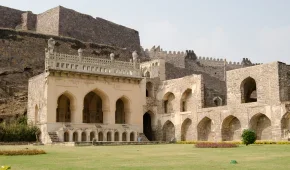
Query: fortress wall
(9,18)
(89,29)
(176,58)
(29,21)
(48,22)
(284,81)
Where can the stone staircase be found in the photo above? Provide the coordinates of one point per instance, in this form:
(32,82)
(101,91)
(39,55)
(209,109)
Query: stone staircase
(53,136)
(143,137)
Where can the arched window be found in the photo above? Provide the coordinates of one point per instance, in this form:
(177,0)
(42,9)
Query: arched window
(168,102)
(116,137)
(248,90)
(66,137)
(147,74)
(124,136)
(132,136)
(75,136)
(122,111)
(100,136)
(84,136)
(184,102)
(149,89)
(109,136)
(92,136)
(92,112)
(63,111)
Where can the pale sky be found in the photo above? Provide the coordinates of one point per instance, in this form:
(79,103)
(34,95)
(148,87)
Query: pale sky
(232,29)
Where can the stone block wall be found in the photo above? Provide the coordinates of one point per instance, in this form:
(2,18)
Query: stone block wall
(98,30)
(48,22)
(9,18)
(284,81)
(29,21)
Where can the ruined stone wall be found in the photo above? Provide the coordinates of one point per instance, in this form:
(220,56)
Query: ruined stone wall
(98,30)
(284,82)
(22,56)
(9,18)
(48,22)
(267,83)
(29,21)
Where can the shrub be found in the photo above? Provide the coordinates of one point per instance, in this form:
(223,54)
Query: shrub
(5,167)
(215,145)
(22,152)
(18,130)
(248,137)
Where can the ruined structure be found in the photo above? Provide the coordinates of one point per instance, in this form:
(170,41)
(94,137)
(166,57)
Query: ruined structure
(80,91)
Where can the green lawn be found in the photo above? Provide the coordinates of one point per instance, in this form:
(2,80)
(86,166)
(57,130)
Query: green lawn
(169,157)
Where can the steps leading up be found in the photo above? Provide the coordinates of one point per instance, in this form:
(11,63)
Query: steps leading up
(53,136)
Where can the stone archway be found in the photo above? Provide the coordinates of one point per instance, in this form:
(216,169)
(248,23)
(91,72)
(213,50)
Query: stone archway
(285,126)
(147,126)
(93,111)
(149,89)
(168,102)
(92,136)
(187,130)
(248,90)
(66,137)
(63,110)
(75,137)
(124,136)
(231,129)
(122,113)
(168,131)
(100,136)
(204,130)
(116,136)
(185,100)
(261,124)
(84,136)
(132,136)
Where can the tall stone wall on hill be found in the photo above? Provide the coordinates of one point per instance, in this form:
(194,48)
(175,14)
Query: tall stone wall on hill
(9,18)
(48,22)
(89,29)
(22,56)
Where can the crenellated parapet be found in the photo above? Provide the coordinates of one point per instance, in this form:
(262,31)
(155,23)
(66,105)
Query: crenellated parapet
(154,68)
(92,65)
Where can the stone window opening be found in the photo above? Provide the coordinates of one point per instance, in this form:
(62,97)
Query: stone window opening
(147,74)
(63,111)
(66,137)
(116,137)
(184,102)
(168,131)
(261,124)
(92,136)
(132,136)
(204,130)
(122,112)
(75,136)
(187,130)
(231,129)
(109,136)
(248,90)
(168,100)
(84,136)
(93,108)
(149,89)
(124,136)
(100,136)
(218,101)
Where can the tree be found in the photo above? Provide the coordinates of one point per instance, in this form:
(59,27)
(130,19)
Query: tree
(249,137)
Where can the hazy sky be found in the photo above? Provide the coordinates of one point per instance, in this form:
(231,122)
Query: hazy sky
(232,29)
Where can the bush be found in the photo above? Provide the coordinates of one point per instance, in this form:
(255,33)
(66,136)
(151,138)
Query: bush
(215,145)
(18,130)
(248,137)
(22,152)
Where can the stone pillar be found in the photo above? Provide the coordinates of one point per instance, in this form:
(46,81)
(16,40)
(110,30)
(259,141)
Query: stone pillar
(70,136)
(77,117)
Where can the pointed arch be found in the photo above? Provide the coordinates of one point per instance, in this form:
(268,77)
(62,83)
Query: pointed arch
(84,136)
(168,131)
(261,124)
(93,108)
(184,101)
(132,136)
(231,129)
(147,125)
(124,136)
(123,110)
(285,126)
(100,136)
(248,90)
(109,136)
(66,136)
(75,137)
(218,101)
(65,105)
(168,100)
(204,129)
(92,135)
(116,136)
(187,130)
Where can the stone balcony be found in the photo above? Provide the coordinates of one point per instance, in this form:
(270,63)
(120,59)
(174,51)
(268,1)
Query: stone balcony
(91,65)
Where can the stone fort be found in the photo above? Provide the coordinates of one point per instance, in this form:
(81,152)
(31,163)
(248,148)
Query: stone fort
(95,81)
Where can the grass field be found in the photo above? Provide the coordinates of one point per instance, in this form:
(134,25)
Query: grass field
(169,157)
